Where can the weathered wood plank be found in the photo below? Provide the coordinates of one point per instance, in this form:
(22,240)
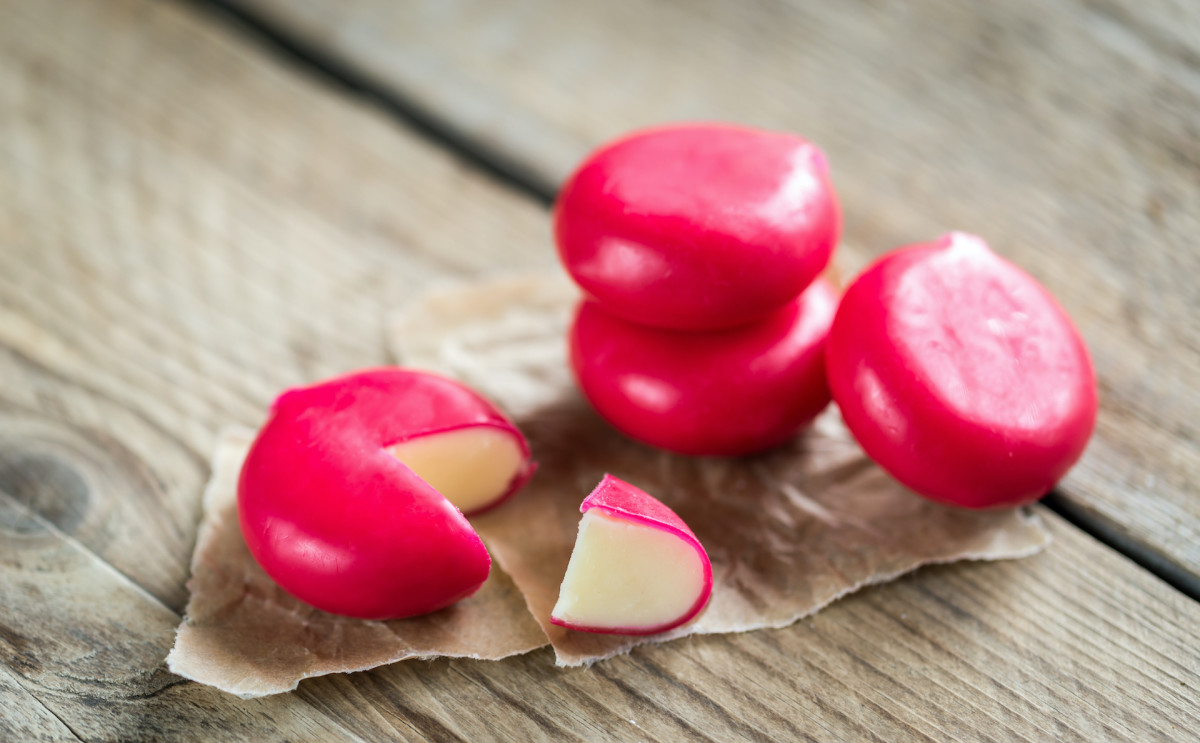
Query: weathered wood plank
(88,645)
(25,718)
(938,655)
(1064,133)
(186,227)
(1073,644)
(186,230)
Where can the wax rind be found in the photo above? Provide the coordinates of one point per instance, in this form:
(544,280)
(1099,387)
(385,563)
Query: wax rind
(722,393)
(961,375)
(697,226)
(624,502)
(343,525)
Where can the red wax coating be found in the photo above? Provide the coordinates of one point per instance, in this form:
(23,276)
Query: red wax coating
(697,226)
(722,392)
(343,525)
(960,374)
(620,500)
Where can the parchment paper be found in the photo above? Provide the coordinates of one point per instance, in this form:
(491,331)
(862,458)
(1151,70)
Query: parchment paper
(245,635)
(788,531)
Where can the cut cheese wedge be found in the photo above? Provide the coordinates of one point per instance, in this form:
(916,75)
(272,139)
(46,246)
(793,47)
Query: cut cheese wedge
(636,568)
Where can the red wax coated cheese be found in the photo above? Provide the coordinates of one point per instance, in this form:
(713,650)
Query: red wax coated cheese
(960,374)
(722,392)
(697,226)
(339,521)
(637,569)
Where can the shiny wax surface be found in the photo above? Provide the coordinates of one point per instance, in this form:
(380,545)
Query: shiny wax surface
(698,226)
(961,375)
(725,392)
(339,522)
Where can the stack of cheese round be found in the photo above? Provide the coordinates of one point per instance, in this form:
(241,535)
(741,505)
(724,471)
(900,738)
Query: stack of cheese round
(700,250)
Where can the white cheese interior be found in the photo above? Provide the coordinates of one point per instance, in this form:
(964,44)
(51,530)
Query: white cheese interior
(470,466)
(627,575)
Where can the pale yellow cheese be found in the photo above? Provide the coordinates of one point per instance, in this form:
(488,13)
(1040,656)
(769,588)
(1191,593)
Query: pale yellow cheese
(627,575)
(471,467)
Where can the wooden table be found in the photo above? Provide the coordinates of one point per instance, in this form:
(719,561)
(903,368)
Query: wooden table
(202,203)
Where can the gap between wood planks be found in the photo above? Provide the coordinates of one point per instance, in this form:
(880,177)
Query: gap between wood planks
(335,73)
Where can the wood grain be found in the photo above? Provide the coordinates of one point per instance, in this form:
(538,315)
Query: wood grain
(1068,645)
(25,717)
(185,229)
(1063,133)
(187,226)
(172,259)
(93,659)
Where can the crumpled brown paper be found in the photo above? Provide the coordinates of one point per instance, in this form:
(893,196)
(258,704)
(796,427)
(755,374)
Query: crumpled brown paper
(788,531)
(245,635)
